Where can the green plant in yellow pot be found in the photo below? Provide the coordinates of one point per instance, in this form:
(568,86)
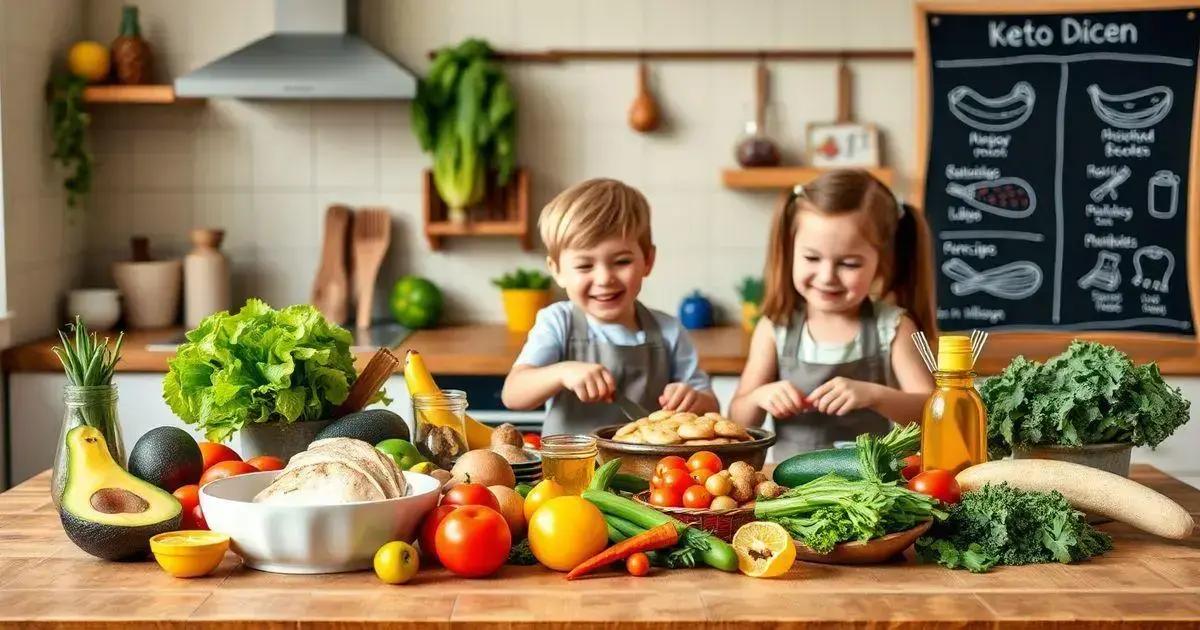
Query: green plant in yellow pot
(751,292)
(524,292)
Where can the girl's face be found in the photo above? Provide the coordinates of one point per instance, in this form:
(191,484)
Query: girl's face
(834,264)
(604,280)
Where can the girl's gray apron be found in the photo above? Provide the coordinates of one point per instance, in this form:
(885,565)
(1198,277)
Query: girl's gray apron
(814,430)
(640,373)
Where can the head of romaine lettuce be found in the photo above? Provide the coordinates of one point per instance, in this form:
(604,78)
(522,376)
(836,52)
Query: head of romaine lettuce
(259,365)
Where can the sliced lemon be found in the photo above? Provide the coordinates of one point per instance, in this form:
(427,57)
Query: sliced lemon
(764,549)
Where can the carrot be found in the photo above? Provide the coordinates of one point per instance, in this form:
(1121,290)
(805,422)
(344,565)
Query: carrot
(664,535)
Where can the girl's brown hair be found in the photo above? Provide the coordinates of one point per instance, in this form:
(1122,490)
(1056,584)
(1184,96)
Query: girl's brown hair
(894,228)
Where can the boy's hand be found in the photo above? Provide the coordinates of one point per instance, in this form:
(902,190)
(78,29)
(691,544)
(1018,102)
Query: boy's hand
(840,395)
(678,397)
(781,399)
(591,382)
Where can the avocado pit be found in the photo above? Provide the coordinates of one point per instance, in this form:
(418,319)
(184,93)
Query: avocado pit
(118,501)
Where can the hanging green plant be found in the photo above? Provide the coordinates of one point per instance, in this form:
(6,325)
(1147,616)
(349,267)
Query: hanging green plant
(70,123)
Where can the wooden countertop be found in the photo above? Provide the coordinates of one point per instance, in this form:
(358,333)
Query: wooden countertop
(490,349)
(1145,582)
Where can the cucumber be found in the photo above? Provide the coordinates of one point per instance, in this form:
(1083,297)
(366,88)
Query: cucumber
(626,482)
(879,458)
(804,467)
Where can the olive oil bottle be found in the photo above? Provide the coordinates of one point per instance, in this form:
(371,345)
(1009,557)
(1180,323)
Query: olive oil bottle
(954,423)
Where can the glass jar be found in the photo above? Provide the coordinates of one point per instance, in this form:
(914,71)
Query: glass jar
(755,149)
(94,406)
(569,460)
(441,433)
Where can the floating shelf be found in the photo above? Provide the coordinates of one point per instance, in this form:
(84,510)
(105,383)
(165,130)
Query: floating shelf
(503,212)
(134,95)
(782,177)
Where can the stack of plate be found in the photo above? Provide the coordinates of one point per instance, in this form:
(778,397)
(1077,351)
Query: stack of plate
(529,472)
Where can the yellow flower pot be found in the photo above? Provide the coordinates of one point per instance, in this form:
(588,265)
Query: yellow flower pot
(522,305)
(750,314)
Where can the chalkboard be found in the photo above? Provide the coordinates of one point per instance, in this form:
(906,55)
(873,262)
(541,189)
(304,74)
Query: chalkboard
(1058,153)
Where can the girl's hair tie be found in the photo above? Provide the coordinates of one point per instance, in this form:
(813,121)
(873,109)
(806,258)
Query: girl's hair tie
(798,190)
(900,211)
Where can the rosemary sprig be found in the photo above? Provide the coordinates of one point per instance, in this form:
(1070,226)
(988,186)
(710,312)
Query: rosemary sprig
(86,360)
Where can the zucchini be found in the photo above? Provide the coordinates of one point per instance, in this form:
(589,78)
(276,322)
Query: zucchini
(872,458)
(715,552)
(604,474)
(626,482)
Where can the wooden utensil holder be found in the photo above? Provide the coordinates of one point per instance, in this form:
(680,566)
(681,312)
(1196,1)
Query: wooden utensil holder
(504,211)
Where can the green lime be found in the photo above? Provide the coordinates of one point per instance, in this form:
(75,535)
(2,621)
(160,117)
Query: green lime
(523,489)
(416,302)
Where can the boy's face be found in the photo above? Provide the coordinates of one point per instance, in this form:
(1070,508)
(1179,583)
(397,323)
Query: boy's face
(604,280)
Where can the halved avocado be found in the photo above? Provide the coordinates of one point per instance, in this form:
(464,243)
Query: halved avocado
(106,511)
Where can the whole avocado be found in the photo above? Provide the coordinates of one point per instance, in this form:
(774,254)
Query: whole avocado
(371,426)
(167,457)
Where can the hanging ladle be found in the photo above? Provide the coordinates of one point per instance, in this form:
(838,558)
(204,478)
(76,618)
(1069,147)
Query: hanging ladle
(643,113)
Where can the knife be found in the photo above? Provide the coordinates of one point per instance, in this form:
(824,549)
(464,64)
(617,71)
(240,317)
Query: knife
(630,409)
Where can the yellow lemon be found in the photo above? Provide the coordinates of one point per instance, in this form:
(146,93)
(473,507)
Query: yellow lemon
(88,60)
(565,531)
(764,549)
(396,562)
(544,491)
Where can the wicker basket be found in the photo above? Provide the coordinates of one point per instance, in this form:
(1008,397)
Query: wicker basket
(722,524)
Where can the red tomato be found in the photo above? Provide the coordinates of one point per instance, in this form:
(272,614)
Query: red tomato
(700,475)
(189,497)
(704,459)
(677,480)
(532,440)
(214,453)
(429,529)
(226,469)
(912,467)
(638,564)
(473,541)
(697,497)
(939,484)
(198,521)
(666,497)
(656,480)
(266,462)
(669,462)
(471,494)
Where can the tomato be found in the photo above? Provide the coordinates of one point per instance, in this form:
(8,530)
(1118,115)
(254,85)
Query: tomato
(638,564)
(429,528)
(677,480)
(697,497)
(532,440)
(545,490)
(656,480)
(701,475)
(396,562)
(226,469)
(471,494)
(912,467)
(669,462)
(704,459)
(666,497)
(189,496)
(198,521)
(474,541)
(213,453)
(566,531)
(266,462)
(939,484)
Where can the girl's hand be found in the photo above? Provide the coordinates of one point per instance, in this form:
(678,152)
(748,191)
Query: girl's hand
(840,395)
(678,397)
(781,399)
(591,382)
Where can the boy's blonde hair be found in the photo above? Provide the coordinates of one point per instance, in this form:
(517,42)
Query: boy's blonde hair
(594,210)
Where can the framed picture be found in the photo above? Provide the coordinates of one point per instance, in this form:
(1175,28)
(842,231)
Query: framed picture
(842,145)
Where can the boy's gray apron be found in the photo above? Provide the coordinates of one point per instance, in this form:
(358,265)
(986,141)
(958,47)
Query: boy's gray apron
(639,371)
(814,430)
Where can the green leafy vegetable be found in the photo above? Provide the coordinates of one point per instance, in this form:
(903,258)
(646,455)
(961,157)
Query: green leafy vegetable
(464,113)
(70,124)
(260,365)
(523,279)
(521,555)
(751,290)
(998,524)
(87,361)
(1090,394)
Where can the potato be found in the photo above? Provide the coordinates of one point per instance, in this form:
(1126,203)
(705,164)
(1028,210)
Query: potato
(768,490)
(742,469)
(743,489)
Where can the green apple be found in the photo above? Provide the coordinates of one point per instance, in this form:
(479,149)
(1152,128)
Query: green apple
(403,453)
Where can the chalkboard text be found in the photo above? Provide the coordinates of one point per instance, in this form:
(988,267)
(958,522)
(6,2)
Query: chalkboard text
(1001,34)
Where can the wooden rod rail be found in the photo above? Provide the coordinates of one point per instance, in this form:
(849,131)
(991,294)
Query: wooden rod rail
(558,55)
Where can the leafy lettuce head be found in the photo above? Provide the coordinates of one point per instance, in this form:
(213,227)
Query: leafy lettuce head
(259,365)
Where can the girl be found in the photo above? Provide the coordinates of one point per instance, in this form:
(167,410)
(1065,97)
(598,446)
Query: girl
(826,360)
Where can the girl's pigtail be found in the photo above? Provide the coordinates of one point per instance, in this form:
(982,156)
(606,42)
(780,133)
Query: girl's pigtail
(779,294)
(910,286)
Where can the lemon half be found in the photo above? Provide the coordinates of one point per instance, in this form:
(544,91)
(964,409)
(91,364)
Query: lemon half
(764,549)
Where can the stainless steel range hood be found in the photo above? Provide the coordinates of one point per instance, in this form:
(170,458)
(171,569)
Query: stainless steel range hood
(309,56)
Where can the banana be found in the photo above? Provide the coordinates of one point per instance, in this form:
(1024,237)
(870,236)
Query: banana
(1134,110)
(1001,113)
(420,381)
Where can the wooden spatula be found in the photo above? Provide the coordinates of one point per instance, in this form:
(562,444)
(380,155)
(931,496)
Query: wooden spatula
(372,234)
(331,288)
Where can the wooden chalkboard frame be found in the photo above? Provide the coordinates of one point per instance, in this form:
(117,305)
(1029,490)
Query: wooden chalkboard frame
(922,70)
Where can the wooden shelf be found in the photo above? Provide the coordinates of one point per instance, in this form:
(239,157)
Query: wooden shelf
(476,228)
(783,177)
(134,95)
(503,212)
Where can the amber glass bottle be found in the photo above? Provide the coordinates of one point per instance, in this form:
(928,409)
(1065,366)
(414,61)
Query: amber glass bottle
(954,424)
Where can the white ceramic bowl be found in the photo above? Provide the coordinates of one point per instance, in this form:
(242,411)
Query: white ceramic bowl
(99,308)
(312,538)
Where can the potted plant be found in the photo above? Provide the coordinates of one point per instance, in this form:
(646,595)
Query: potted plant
(524,292)
(275,376)
(1089,405)
(751,293)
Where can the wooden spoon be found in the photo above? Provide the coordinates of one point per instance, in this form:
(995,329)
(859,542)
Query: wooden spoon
(331,288)
(643,113)
(372,235)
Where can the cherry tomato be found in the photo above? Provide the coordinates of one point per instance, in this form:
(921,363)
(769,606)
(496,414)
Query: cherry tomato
(473,541)
(939,484)
(226,469)
(912,467)
(701,475)
(266,462)
(638,564)
(471,494)
(704,459)
(697,497)
(669,462)
(213,453)
(677,480)
(429,528)
(189,497)
(656,480)
(532,440)
(198,521)
(666,497)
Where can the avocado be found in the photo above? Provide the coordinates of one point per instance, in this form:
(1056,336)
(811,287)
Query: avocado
(371,426)
(167,457)
(106,511)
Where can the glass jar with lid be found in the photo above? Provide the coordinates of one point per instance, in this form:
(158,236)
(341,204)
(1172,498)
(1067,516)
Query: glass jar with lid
(569,460)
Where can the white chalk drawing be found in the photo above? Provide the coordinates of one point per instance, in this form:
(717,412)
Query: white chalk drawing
(1108,188)
(1133,110)
(1008,197)
(1014,281)
(1106,275)
(1001,113)
(1162,194)
(1153,252)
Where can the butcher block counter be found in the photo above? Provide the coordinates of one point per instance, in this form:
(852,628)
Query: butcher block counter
(1145,582)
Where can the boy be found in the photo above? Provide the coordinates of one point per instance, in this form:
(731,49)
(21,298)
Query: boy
(603,343)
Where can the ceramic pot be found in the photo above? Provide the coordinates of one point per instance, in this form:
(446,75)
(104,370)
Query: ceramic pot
(98,308)
(151,291)
(205,277)
(750,314)
(279,439)
(521,307)
(1111,457)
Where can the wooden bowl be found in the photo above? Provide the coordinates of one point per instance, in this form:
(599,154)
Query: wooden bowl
(872,551)
(640,459)
(720,523)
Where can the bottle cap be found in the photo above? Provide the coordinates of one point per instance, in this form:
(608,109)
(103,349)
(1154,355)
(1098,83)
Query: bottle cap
(954,353)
